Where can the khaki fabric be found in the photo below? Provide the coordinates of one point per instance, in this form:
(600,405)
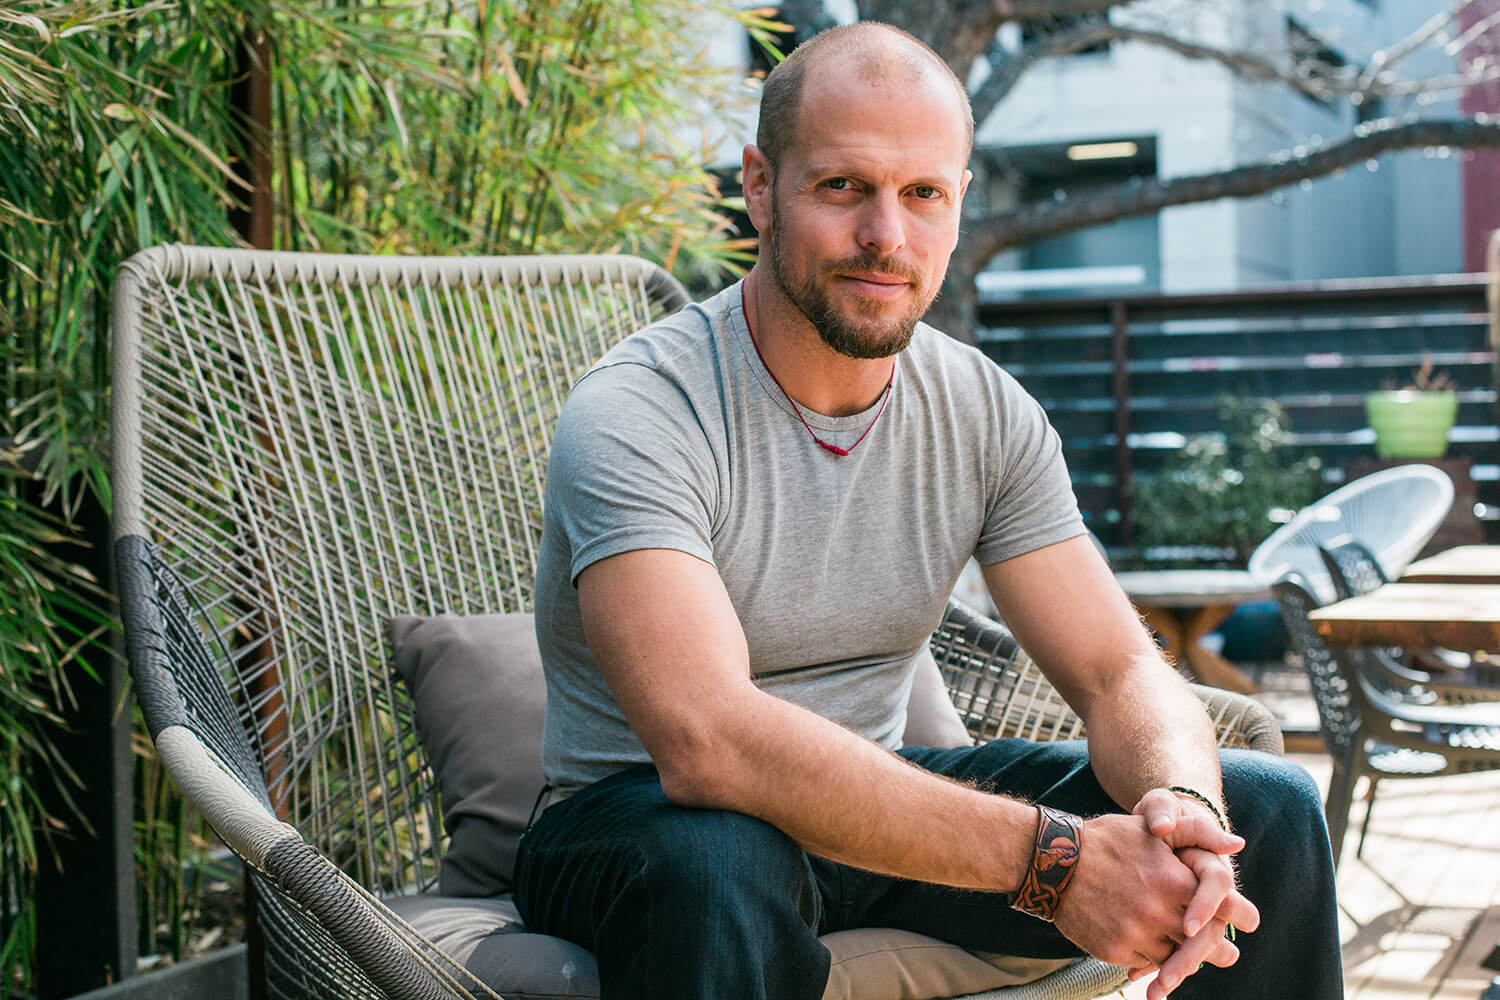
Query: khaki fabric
(878,963)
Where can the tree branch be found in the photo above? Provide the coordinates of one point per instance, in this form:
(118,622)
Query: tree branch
(1476,31)
(1383,60)
(1310,77)
(1007,68)
(960,30)
(1040,220)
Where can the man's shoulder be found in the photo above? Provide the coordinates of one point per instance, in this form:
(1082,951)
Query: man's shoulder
(665,374)
(681,343)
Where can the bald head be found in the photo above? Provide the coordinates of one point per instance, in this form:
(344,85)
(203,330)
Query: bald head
(879,54)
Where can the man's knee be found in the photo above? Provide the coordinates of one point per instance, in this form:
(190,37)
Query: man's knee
(1267,788)
(701,859)
(1276,806)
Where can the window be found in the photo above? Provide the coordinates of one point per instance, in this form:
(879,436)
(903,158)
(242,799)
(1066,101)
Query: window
(1040,29)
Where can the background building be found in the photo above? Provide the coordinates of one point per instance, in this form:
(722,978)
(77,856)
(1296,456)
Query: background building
(1135,110)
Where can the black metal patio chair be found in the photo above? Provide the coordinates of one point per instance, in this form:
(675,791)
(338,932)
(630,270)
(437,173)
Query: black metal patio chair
(1370,728)
(1429,676)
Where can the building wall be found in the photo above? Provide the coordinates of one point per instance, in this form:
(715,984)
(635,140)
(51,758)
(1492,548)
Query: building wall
(1428,212)
(1403,216)
(1138,90)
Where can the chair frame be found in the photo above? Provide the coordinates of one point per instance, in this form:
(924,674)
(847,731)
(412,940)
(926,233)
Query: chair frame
(261,543)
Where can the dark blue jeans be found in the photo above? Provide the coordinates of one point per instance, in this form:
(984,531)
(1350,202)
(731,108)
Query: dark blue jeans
(686,903)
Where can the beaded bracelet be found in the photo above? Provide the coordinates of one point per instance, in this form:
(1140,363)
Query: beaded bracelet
(1059,839)
(1193,793)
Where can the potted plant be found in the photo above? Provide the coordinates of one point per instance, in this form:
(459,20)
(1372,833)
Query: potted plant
(1413,421)
(1219,493)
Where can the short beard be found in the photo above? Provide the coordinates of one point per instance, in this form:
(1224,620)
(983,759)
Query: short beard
(837,330)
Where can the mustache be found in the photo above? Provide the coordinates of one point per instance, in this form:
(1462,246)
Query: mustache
(873,263)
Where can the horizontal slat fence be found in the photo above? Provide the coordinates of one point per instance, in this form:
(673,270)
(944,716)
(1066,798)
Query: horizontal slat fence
(1125,378)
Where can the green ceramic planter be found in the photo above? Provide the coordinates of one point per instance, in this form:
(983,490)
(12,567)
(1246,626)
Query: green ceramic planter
(1411,424)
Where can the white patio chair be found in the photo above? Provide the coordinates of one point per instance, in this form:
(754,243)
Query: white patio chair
(1393,512)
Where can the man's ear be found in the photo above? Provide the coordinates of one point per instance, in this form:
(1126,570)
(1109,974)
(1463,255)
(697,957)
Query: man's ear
(756,183)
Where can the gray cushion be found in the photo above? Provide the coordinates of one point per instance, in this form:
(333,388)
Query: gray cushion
(480,698)
(487,937)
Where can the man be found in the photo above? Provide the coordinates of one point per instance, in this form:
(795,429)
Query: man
(755,511)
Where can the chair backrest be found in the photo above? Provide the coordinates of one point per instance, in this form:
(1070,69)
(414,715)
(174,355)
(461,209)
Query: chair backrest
(315,443)
(1393,511)
(1338,710)
(1352,567)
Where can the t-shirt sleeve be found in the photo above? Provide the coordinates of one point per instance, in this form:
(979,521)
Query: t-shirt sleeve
(630,468)
(1030,495)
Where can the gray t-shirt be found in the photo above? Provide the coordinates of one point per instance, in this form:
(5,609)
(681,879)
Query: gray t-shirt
(839,567)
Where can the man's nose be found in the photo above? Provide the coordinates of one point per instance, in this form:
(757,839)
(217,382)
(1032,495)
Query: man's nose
(882,228)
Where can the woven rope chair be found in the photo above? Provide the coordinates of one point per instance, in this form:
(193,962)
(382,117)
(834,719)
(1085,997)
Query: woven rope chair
(306,445)
(1393,511)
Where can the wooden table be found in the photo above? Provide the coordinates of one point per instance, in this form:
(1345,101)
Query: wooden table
(1184,605)
(1465,564)
(1462,616)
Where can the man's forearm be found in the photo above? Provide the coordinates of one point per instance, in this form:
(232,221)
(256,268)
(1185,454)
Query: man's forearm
(1146,728)
(1150,731)
(844,798)
(669,644)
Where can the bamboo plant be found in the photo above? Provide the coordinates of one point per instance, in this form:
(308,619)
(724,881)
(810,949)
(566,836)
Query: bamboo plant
(472,126)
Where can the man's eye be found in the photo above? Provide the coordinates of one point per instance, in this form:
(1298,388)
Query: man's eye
(838,183)
(926,192)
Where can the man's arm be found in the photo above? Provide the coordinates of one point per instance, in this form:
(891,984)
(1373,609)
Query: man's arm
(1147,731)
(1146,727)
(664,633)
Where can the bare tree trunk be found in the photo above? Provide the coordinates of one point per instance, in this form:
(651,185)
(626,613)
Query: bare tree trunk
(256,222)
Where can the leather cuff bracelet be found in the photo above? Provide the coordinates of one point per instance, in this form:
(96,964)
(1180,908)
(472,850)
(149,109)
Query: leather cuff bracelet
(1059,839)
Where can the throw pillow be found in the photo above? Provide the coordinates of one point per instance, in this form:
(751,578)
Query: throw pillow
(480,700)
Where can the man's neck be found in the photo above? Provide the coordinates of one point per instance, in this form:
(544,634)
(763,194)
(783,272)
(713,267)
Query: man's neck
(814,375)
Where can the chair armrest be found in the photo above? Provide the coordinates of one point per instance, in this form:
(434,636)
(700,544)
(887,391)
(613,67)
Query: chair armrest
(995,686)
(1000,692)
(322,928)
(1241,721)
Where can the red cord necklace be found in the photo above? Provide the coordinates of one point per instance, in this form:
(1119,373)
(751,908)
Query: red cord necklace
(885,396)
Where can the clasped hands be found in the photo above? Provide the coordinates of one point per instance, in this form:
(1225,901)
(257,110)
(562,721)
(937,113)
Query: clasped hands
(1158,895)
